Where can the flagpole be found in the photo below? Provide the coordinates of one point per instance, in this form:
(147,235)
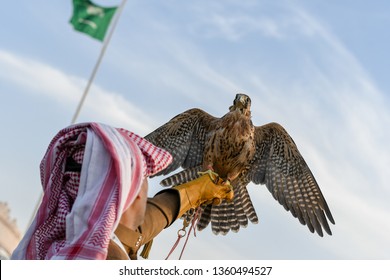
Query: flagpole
(102,52)
(92,77)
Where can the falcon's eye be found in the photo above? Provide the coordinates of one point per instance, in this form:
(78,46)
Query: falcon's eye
(245,100)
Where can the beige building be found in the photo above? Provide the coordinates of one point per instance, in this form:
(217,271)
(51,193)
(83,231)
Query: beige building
(9,233)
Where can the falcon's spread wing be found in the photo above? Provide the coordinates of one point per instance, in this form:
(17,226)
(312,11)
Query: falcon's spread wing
(279,165)
(184,137)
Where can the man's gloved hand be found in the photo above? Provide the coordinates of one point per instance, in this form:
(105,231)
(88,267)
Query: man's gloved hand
(170,204)
(202,191)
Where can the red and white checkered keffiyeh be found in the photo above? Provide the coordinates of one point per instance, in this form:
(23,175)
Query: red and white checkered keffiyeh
(80,210)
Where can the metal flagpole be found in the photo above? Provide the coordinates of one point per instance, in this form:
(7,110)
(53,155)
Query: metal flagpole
(93,74)
(103,50)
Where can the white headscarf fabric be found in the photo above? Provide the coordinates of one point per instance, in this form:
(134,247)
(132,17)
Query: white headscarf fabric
(79,212)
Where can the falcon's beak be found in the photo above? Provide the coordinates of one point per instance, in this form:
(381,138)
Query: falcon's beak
(242,99)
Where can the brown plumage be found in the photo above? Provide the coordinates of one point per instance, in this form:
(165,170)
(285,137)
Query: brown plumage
(242,153)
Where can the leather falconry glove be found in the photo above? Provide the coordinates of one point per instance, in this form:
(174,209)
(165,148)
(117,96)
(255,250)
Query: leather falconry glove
(202,190)
(169,205)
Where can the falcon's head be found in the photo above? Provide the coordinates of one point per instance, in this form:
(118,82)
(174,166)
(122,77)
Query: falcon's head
(242,102)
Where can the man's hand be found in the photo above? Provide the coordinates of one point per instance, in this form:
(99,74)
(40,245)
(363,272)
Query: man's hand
(203,191)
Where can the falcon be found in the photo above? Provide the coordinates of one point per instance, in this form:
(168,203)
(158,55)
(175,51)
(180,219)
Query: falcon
(240,153)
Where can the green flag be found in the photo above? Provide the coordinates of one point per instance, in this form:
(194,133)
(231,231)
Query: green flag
(91,19)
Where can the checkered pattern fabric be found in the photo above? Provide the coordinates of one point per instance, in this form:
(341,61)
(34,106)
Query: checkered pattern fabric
(80,211)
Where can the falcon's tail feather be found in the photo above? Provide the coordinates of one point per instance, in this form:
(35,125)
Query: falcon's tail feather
(218,220)
(229,215)
(239,209)
(232,217)
(181,177)
(249,210)
(205,218)
(223,218)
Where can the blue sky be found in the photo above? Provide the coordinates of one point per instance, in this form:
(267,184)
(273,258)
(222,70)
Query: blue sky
(319,68)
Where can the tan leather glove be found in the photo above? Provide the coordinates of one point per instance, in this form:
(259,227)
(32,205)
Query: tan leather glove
(202,191)
(167,206)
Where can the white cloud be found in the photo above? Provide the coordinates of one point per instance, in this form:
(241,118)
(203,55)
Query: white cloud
(38,77)
(234,27)
(44,80)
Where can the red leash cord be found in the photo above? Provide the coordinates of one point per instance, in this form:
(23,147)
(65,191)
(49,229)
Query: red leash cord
(182,232)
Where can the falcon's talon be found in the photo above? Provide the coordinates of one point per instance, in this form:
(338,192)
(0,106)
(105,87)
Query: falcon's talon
(226,183)
(213,175)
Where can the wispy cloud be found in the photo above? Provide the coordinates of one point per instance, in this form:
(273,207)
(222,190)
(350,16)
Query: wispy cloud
(235,27)
(41,79)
